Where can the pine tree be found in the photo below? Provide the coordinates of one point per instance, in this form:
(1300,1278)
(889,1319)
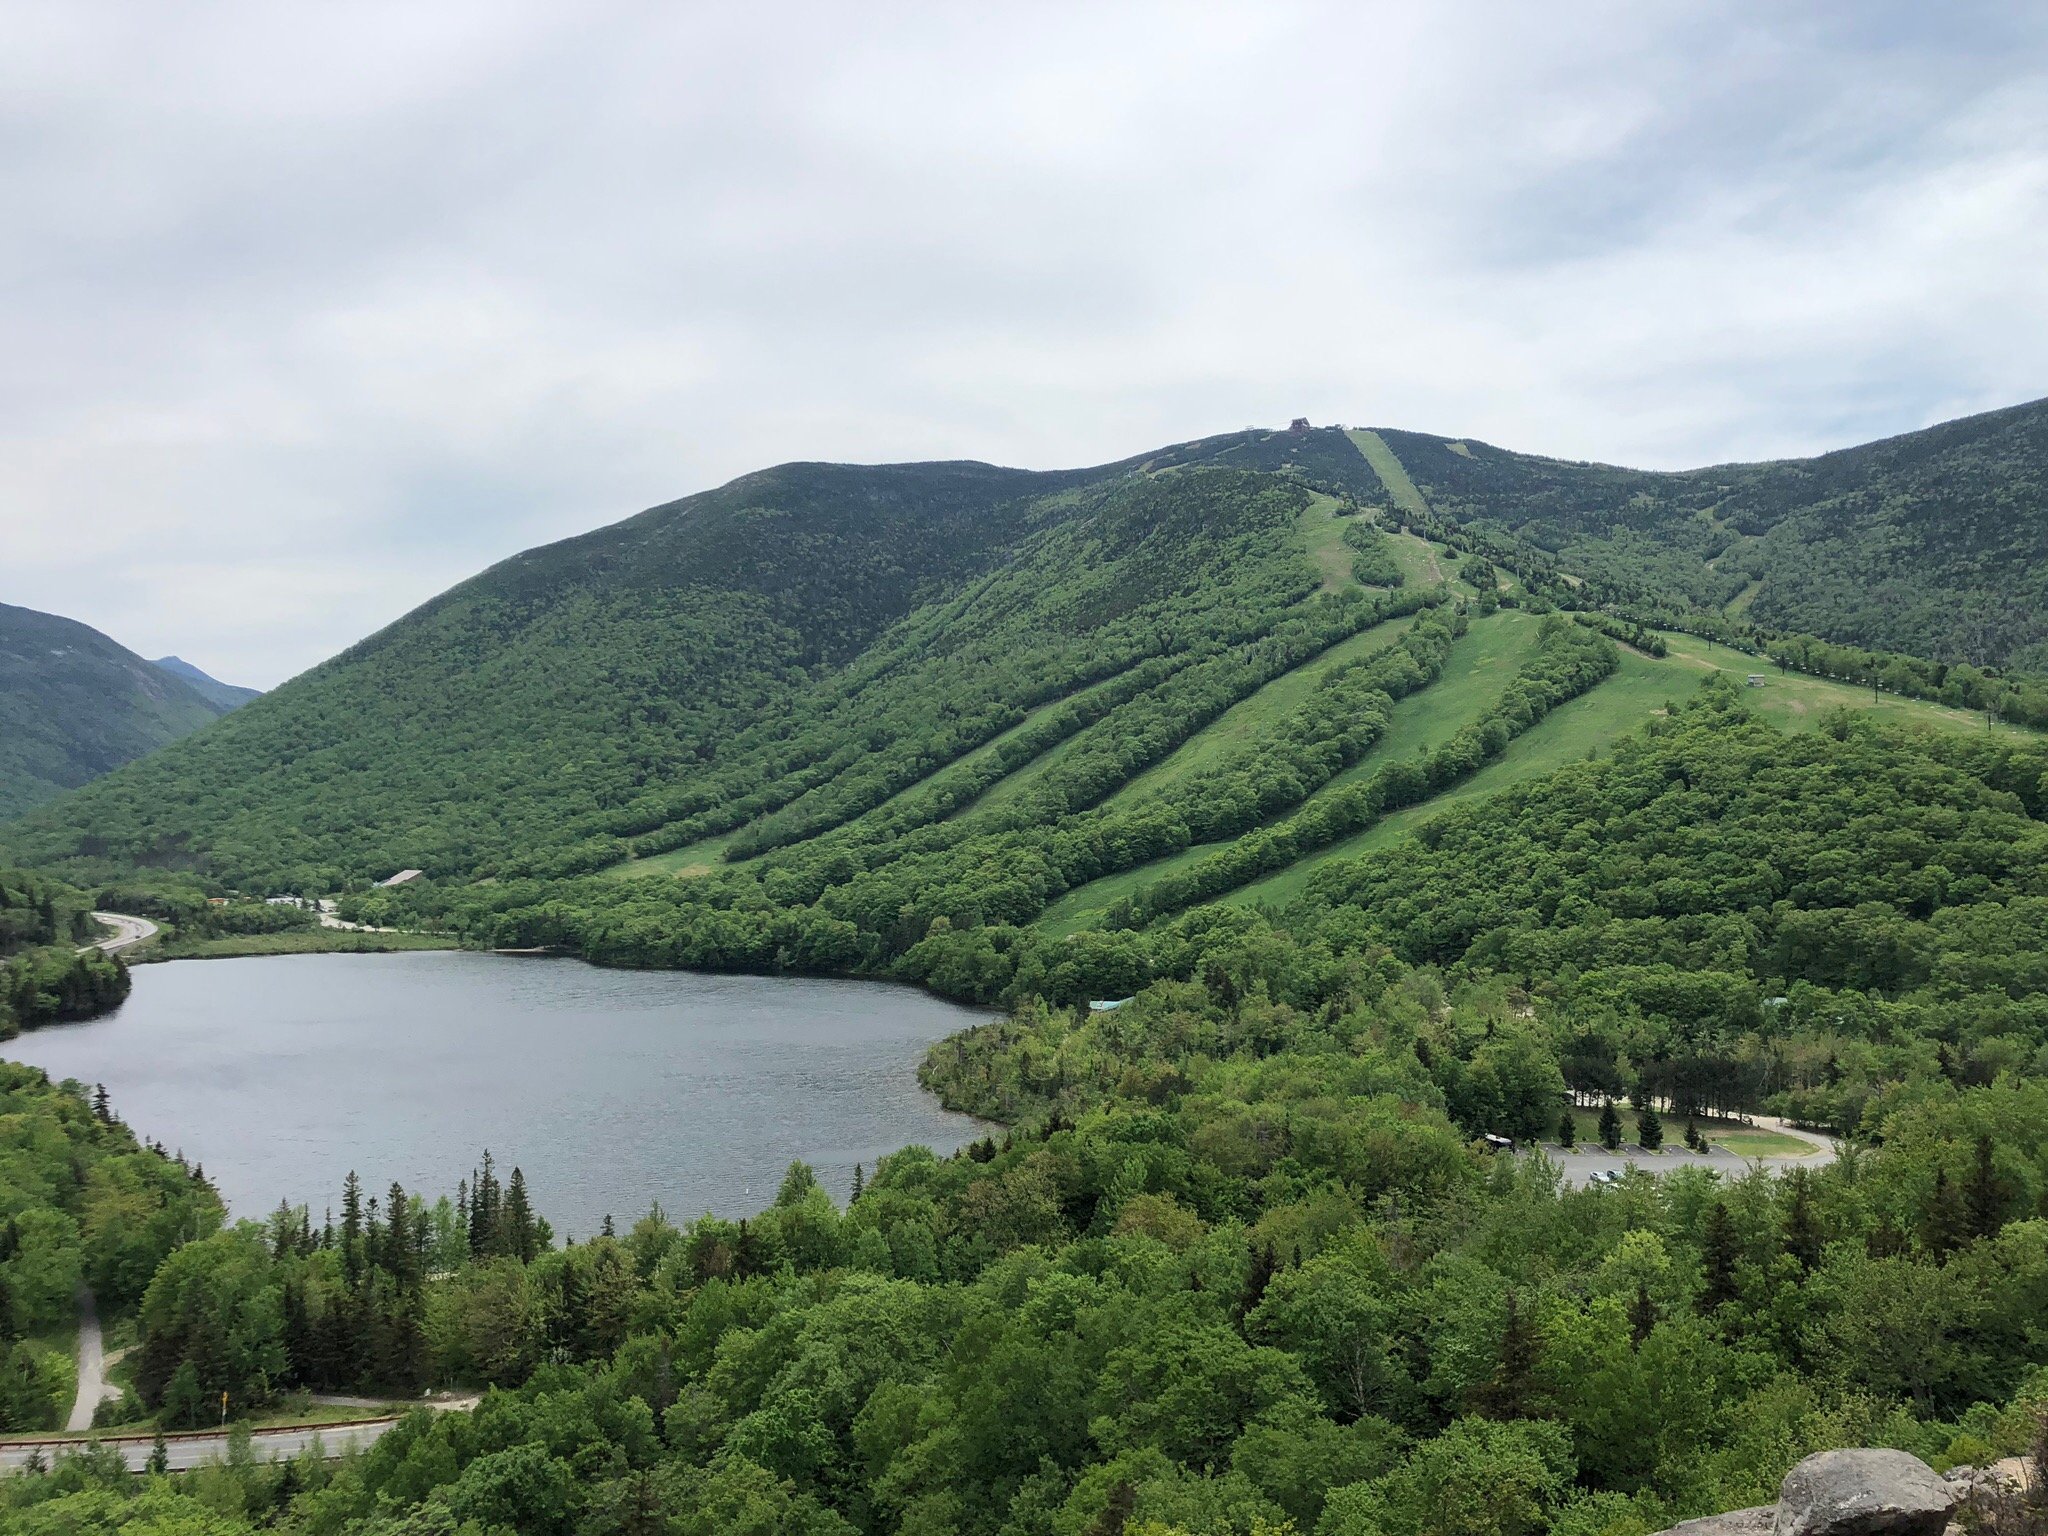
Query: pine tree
(860,1184)
(607,1229)
(1264,1266)
(1642,1315)
(1803,1239)
(1610,1126)
(102,1111)
(1506,1395)
(1693,1139)
(1986,1195)
(520,1239)
(1649,1129)
(1945,1225)
(300,1353)
(398,1237)
(352,1231)
(484,1197)
(1718,1254)
(159,1455)
(1568,1131)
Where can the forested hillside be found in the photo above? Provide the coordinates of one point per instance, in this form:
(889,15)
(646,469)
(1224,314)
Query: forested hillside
(74,705)
(1934,543)
(1310,830)
(758,665)
(44,976)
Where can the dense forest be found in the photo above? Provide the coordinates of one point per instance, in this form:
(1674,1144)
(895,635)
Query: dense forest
(80,1200)
(45,976)
(1315,805)
(1236,1266)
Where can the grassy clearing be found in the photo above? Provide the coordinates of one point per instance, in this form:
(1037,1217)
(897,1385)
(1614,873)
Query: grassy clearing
(1480,665)
(708,853)
(1080,907)
(1012,785)
(1387,466)
(1323,532)
(1418,559)
(688,861)
(1739,603)
(1799,703)
(298,941)
(1586,725)
(1245,721)
(1591,724)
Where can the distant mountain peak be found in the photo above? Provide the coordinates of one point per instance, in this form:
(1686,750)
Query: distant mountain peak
(227,695)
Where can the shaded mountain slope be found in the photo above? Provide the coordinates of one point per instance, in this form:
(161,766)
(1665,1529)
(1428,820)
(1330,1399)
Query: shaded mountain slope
(75,705)
(225,695)
(811,632)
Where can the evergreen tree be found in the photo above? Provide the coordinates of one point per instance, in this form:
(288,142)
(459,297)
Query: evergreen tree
(607,1229)
(1803,1238)
(300,1353)
(1987,1194)
(519,1238)
(159,1455)
(352,1231)
(1649,1129)
(1945,1224)
(1264,1266)
(399,1245)
(1693,1139)
(102,1111)
(1718,1255)
(1642,1315)
(1507,1393)
(1568,1130)
(859,1184)
(1610,1126)
(484,1221)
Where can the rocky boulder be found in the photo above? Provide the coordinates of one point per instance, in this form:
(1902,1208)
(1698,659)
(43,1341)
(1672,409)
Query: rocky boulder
(1740,1522)
(1864,1493)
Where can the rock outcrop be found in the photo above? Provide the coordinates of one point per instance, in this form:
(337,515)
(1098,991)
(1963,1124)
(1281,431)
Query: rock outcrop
(1864,1493)
(1846,1493)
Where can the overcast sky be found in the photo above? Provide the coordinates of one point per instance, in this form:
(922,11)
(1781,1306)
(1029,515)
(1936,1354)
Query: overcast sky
(307,312)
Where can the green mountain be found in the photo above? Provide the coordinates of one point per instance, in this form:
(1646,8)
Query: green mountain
(1933,543)
(226,695)
(883,695)
(74,705)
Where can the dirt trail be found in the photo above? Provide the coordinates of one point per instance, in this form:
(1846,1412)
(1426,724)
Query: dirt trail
(92,1365)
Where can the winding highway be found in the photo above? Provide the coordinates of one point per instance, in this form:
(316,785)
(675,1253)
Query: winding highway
(128,932)
(185,1452)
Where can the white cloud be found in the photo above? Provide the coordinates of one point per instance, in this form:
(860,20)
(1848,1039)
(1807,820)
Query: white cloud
(312,313)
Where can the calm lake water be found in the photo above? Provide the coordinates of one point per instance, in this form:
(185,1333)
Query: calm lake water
(612,1089)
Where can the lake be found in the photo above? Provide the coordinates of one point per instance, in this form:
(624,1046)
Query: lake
(611,1089)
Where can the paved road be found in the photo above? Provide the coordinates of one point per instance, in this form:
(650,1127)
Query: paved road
(188,1451)
(92,1365)
(128,931)
(1592,1158)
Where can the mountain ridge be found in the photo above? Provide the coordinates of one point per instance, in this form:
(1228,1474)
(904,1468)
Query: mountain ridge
(75,704)
(226,695)
(816,634)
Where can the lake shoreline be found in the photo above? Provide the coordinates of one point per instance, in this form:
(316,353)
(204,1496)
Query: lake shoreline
(614,1088)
